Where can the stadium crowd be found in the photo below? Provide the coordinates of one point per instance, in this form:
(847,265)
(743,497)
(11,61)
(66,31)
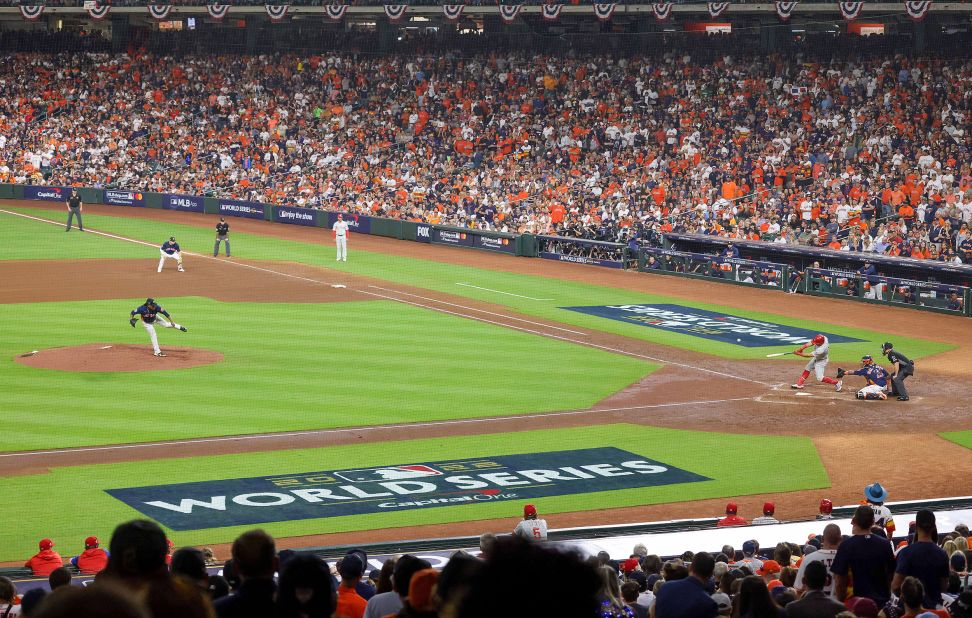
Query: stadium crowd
(846,573)
(854,153)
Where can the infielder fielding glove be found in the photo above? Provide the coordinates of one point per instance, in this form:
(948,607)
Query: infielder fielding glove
(840,373)
(132,322)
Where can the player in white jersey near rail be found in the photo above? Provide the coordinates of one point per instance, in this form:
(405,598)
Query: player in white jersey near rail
(340,228)
(531,528)
(818,362)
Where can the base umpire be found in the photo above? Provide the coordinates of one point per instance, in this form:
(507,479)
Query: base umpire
(903,368)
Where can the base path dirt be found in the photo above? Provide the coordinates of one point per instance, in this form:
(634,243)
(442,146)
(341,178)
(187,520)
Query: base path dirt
(114,357)
(859,442)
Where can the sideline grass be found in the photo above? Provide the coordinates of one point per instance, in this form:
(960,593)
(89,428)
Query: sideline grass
(74,504)
(962,438)
(444,278)
(286,367)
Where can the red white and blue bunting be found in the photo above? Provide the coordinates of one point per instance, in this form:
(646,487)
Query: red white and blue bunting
(31,13)
(850,10)
(662,11)
(917,8)
(217,11)
(395,12)
(785,9)
(508,12)
(717,8)
(335,12)
(604,12)
(277,12)
(453,12)
(159,11)
(98,11)
(551,12)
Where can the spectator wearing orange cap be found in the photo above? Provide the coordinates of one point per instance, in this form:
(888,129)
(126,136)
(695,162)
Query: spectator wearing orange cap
(731,519)
(770,571)
(531,528)
(93,559)
(44,561)
(769,509)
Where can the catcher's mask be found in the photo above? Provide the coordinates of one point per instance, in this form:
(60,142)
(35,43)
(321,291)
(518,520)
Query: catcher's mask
(866,360)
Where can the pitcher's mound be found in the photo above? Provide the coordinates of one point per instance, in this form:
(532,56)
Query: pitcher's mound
(93,357)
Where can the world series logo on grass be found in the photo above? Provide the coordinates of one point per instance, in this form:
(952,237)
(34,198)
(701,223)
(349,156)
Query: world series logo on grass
(725,327)
(356,491)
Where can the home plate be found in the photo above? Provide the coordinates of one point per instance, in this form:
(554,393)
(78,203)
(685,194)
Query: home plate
(338,285)
(106,347)
(804,394)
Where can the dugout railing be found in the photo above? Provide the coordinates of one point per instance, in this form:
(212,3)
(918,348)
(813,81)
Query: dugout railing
(909,283)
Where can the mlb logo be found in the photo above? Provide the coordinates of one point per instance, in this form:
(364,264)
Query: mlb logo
(391,473)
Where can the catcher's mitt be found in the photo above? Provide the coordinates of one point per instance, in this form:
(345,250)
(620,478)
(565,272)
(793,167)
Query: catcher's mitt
(840,373)
(132,322)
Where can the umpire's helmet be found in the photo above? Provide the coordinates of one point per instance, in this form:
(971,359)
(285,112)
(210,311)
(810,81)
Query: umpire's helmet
(866,359)
(887,346)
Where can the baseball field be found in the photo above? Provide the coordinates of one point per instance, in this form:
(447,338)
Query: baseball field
(421,391)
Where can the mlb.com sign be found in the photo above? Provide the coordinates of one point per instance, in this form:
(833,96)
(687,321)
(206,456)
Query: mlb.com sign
(334,493)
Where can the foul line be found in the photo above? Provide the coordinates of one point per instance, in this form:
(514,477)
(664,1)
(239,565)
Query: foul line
(433,308)
(469,285)
(323,432)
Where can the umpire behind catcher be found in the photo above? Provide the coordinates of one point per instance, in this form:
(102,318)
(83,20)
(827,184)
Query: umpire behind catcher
(903,367)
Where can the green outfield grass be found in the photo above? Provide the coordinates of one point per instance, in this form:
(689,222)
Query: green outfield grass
(74,504)
(444,277)
(286,367)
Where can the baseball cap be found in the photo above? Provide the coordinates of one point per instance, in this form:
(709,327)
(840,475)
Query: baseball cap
(45,544)
(731,508)
(172,238)
(91,541)
(826,506)
(769,508)
(722,600)
(351,567)
(862,607)
(749,548)
(769,567)
(529,510)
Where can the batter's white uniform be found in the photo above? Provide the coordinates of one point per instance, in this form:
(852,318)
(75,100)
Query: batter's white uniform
(821,356)
(531,529)
(341,239)
(164,323)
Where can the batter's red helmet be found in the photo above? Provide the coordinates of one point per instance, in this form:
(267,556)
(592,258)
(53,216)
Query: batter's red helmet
(818,340)
(769,508)
(826,507)
(731,508)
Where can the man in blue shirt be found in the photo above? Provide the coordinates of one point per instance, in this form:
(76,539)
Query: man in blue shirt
(687,598)
(867,558)
(925,560)
(152,314)
(170,250)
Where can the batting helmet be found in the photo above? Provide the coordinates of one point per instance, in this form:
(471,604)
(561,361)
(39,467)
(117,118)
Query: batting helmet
(866,359)
(818,340)
(731,508)
(826,507)
(768,508)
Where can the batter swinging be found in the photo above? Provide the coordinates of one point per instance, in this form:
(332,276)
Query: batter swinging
(151,313)
(818,362)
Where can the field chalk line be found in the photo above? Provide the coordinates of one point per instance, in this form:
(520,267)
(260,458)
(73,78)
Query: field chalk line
(469,285)
(322,432)
(433,308)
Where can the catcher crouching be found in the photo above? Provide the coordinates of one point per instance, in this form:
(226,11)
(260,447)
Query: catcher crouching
(876,376)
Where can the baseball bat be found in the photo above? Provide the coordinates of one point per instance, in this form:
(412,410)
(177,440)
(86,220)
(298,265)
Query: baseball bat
(774,355)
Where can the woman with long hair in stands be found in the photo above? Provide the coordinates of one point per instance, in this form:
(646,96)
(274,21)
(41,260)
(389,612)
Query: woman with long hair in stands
(612,605)
(755,600)
(305,589)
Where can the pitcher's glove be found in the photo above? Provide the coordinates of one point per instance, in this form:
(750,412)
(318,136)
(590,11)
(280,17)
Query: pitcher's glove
(840,373)
(132,322)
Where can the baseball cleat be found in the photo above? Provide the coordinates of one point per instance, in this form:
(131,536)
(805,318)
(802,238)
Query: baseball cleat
(182,270)
(160,353)
(860,396)
(798,386)
(839,386)
(183,328)
(903,398)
